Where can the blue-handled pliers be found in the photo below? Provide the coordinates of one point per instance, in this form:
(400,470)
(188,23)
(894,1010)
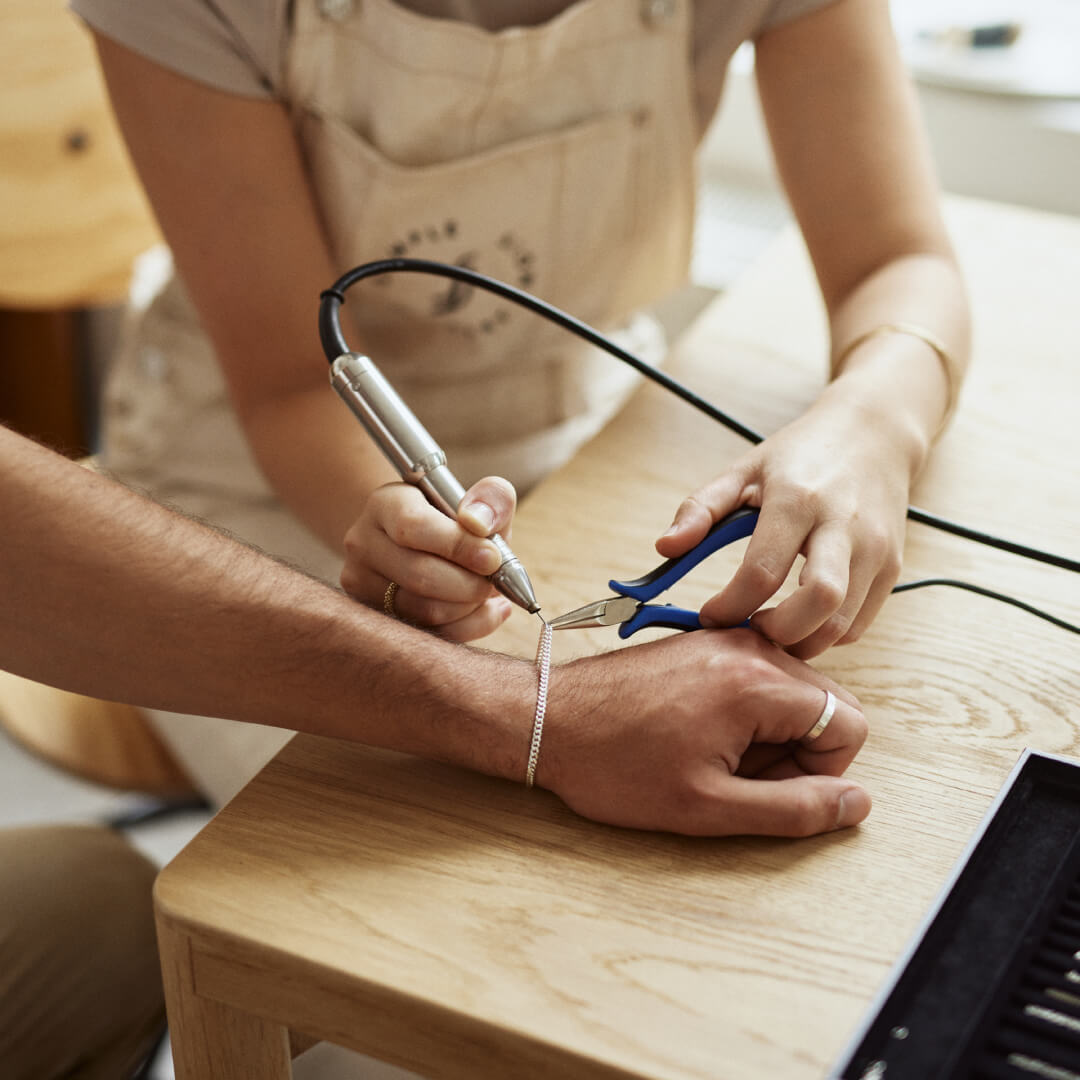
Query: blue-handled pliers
(629,609)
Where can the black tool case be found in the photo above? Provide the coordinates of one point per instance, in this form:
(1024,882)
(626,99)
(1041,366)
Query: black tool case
(990,987)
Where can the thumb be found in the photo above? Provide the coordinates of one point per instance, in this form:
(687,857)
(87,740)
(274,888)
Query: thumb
(697,513)
(488,506)
(799,806)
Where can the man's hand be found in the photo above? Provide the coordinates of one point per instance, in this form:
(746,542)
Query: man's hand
(440,565)
(697,734)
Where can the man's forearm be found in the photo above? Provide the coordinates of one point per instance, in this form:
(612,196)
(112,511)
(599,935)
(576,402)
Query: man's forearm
(108,594)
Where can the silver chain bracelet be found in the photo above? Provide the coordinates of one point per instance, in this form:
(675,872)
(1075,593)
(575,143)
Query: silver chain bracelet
(543,669)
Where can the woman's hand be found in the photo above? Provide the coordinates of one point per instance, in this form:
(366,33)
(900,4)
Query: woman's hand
(440,565)
(832,486)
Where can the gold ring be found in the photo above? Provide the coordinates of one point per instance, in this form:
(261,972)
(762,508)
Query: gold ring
(822,721)
(388,599)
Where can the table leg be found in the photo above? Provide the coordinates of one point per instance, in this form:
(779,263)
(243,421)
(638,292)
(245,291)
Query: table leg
(212,1041)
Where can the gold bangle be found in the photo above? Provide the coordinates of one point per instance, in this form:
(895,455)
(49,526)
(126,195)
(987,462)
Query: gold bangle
(388,600)
(948,361)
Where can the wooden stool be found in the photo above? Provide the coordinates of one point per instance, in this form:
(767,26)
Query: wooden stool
(102,741)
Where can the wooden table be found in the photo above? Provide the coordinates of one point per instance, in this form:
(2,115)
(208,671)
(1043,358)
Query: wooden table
(469,928)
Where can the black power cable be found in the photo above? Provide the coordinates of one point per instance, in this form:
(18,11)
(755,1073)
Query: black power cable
(334,345)
(907,586)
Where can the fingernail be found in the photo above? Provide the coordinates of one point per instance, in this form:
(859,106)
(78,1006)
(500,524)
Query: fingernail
(672,529)
(486,560)
(854,806)
(708,622)
(479,514)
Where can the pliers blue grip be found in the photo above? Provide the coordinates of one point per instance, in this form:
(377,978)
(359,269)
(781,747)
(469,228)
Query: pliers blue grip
(629,610)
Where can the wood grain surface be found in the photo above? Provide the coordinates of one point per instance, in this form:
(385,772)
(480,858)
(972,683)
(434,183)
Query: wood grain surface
(467,927)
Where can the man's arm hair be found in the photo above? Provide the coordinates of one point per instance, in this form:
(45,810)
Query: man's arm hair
(109,594)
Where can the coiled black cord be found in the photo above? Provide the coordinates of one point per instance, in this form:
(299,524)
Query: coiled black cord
(334,345)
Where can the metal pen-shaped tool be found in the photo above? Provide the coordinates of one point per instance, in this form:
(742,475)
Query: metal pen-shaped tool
(417,457)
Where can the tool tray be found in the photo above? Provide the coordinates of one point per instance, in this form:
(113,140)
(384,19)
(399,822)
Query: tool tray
(990,985)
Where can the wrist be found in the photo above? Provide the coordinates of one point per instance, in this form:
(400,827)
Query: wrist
(576,700)
(485,711)
(892,400)
(950,366)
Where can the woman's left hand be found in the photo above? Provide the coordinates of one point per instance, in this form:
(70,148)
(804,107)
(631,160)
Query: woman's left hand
(832,486)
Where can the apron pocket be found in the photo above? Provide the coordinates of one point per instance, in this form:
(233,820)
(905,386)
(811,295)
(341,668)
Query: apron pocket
(554,214)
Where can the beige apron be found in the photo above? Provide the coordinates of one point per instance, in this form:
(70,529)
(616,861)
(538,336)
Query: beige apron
(556,157)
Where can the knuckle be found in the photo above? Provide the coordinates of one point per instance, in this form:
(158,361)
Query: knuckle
(349,581)
(750,676)
(353,542)
(404,525)
(432,612)
(806,813)
(464,550)
(834,627)
(806,498)
(375,500)
(481,627)
(789,639)
(806,649)
(750,641)
(758,652)
(825,593)
(379,505)
(860,729)
(891,564)
(686,799)
(424,582)
(762,579)
(878,544)
(693,506)
(812,813)
(357,582)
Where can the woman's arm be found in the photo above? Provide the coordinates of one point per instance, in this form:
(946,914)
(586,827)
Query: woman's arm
(227,183)
(834,484)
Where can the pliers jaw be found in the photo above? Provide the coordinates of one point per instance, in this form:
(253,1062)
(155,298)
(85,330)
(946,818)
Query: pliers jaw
(610,611)
(629,609)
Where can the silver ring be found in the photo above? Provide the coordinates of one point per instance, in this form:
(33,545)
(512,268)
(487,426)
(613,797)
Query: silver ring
(822,721)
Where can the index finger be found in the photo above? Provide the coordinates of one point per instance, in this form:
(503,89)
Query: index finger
(410,522)
(777,539)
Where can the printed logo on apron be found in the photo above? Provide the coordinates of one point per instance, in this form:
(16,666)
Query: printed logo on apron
(511,261)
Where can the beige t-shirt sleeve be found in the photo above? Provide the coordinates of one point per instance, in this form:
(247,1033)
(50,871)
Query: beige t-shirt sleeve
(239,45)
(232,46)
